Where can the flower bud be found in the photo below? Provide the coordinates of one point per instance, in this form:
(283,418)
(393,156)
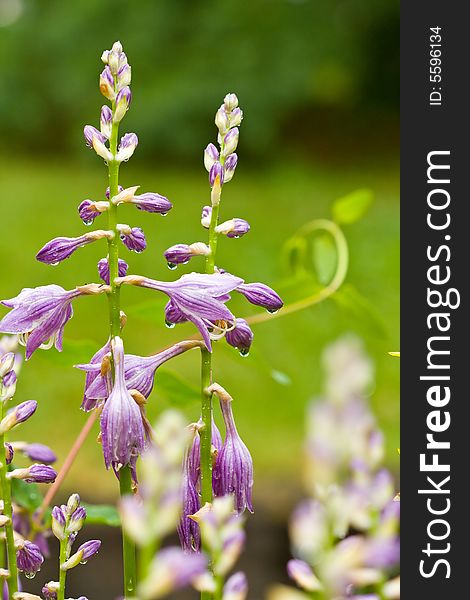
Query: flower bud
(230,102)
(127,146)
(9,380)
(152,203)
(261,295)
(180,254)
(241,337)
(230,141)
(106,121)
(36,473)
(211,154)
(6,363)
(39,452)
(132,237)
(89,210)
(49,591)
(206,216)
(234,228)
(124,76)
(236,587)
(101,150)
(28,557)
(76,520)
(216,171)
(229,166)
(9,453)
(302,574)
(114,58)
(103,269)
(221,120)
(90,133)
(123,101)
(82,555)
(18,415)
(235,117)
(107,84)
(58,523)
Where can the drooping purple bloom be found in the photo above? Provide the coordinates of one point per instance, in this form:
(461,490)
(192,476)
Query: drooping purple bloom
(233,471)
(39,315)
(211,155)
(50,589)
(188,530)
(88,212)
(127,146)
(261,295)
(133,238)
(229,166)
(199,298)
(103,269)
(61,248)
(194,456)
(139,371)
(173,315)
(29,558)
(122,428)
(91,374)
(234,228)
(152,203)
(91,132)
(240,337)
(217,170)
(39,452)
(89,549)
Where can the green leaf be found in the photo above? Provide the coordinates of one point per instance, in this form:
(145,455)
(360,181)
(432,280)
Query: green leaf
(360,309)
(324,257)
(25,494)
(102,514)
(152,311)
(175,389)
(351,208)
(74,352)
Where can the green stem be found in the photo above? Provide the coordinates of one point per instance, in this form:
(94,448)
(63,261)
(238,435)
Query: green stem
(206,431)
(128,546)
(7,511)
(125,475)
(62,572)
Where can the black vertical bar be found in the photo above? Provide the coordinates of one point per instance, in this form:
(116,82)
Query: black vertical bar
(425,128)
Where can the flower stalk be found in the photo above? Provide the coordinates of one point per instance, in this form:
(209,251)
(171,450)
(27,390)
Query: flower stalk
(5,488)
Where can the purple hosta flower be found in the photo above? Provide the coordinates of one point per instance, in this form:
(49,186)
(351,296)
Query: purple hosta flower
(49,591)
(234,228)
(236,587)
(261,295)
(39,314)
(36,452)
(199,298)
(122,427)
(132,237)
(188,529)
(302,574)
(217,171)
(103,268)
(127,146)
(89,549)
(230,165)
(9,453)
(92,372)
(240,337)
(152,203)
(106,121)
(61,248)
(19,414)
(90,133)
(107,84)
(180,254)
(211,155)
(233,471)
(173,315)
(89,210)
(206,216)
(36,473)
(194,457)
(171,570)
(230,141)
(139,371)
(123,101)
(28,557)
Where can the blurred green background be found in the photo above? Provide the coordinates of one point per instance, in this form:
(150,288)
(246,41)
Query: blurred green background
(318,82)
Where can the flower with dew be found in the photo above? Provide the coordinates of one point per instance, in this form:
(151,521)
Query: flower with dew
(122,427)
(28,557)
(61,248)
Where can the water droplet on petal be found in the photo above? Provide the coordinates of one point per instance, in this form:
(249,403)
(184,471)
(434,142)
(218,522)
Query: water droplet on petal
(54,264)
(236,237)
(164,214)
(244,352)
(30,575)
(88,221)
(172,266)
(170,325)
(84,562)
(272,311)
